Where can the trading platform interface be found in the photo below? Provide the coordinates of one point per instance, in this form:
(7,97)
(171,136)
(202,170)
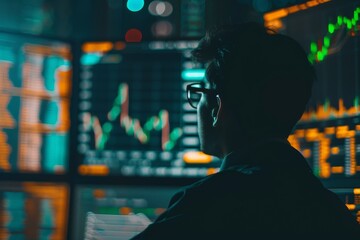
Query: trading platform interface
(328,134)
(133,112)
(35,80)
(135,120)
(30,210)
(117,212)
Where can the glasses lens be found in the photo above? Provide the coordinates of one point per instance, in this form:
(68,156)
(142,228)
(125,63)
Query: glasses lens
(194,98)
(194,95)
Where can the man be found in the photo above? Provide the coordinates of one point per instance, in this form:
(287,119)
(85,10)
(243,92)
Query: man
(257,86)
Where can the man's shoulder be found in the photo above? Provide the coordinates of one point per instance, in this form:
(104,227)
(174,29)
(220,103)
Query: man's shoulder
(224,185)
(234,178)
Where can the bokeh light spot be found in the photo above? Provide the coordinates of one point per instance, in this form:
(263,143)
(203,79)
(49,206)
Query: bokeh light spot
(133,35)
(160,8)
(162,29)
(135,5)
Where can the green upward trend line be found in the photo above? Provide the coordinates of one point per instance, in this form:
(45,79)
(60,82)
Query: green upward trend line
(319,55)
(132,126)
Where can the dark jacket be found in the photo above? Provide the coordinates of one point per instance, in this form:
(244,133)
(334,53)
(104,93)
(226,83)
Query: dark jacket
(265,191)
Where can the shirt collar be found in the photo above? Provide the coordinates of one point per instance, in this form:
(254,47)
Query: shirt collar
(242,156)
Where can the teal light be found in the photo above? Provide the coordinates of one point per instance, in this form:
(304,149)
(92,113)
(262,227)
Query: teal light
(7,54)
(55,152)
(52,113)
(53,64)
(135,5)
(107,127)
(90,59)
(66,63)
(47,219)
(193,74)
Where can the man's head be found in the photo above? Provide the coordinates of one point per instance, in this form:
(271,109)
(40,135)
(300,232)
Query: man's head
(260,84)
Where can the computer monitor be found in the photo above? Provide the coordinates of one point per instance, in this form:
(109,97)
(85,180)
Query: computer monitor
(351,197)
(328,134)
(120,212)
(117,212)
(32,210)
(134,119)
(35,85)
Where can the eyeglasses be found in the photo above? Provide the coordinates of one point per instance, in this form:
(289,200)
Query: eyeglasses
(195,91)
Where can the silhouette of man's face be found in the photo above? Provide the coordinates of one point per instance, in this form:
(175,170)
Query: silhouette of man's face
(208,134)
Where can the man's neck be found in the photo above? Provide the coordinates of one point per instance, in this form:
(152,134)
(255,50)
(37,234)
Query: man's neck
(241,154)
(244,145)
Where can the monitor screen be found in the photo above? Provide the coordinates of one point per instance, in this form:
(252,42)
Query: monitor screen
(120,212)
(328,134)
(351,197)
(117,212)
(134,118)
(32,210)
(35,84)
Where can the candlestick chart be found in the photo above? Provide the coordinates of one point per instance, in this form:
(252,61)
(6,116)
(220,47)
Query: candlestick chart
(328,132)
(133,113)
(35,78)
(132,127)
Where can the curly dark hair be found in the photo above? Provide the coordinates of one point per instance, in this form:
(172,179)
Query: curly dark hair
(259,73)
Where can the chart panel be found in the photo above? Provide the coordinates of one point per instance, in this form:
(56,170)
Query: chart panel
(117,211)
(35,85)
(351,197)
(133,112)
(30,210)
(328,134)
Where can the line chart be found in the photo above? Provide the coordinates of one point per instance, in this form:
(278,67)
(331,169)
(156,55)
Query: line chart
(336,92)
(335,38)
(328,132)
(132,126)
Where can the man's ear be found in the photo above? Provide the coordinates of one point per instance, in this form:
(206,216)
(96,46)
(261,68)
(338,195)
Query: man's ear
(215,113)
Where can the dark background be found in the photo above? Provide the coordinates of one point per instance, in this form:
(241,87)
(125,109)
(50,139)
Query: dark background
(84,19)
